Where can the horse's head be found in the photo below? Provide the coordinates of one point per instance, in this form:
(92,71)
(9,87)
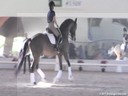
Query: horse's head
(73,29)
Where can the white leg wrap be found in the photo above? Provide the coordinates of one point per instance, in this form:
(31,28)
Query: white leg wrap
(59,74)
(41,73)
(32,78)
(69,71)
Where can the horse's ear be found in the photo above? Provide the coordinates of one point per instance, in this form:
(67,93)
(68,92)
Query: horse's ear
(75,20)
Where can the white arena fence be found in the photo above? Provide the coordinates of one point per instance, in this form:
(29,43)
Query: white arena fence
(75,62)
(86,63)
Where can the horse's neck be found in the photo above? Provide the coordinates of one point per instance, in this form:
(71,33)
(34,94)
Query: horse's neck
(65,29)
(65,33)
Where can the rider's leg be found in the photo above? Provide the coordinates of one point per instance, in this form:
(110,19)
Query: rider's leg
(56,33)
(58,42)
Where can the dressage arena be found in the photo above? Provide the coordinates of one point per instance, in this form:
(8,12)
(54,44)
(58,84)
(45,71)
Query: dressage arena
(86,83)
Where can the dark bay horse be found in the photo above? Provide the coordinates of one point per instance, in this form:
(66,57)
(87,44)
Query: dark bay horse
(40,45)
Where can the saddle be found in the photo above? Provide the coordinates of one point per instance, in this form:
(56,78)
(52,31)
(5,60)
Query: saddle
(56,38)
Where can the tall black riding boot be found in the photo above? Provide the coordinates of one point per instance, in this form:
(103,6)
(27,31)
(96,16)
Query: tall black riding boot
(56,46)
(58,43)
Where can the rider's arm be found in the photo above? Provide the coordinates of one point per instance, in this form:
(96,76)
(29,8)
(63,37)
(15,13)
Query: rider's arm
(54,19)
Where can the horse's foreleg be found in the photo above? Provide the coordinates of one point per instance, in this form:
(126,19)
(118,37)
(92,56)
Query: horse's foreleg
(70,76)
(59,74)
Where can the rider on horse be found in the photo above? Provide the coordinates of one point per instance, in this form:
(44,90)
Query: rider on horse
(51,19)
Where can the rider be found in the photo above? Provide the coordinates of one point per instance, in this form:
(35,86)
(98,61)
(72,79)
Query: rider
(51,19)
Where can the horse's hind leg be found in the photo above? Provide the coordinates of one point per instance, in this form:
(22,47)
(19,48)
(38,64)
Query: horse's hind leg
(32,69)
(41,73)
(70,76)
(32,74)
(29,62)
(59,74)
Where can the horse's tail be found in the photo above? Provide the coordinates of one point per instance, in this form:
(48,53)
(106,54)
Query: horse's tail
(22,56)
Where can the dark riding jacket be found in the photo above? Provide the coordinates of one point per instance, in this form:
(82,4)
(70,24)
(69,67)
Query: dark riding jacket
(50,16)
(50,21)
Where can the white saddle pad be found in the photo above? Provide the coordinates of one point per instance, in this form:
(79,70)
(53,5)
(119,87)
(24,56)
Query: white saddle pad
(51,37)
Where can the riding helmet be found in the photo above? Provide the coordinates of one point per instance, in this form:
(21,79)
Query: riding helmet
(51,3)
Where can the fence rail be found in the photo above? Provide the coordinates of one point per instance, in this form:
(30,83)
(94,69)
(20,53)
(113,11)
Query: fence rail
(85,62)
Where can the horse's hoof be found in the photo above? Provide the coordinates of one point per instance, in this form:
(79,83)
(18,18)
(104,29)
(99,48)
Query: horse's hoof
(43,80)
(70,78)
(55,80)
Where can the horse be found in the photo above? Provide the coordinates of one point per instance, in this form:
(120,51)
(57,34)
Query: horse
(40,44)
(120,50)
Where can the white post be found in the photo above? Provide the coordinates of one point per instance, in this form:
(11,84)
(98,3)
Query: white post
(119,68)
